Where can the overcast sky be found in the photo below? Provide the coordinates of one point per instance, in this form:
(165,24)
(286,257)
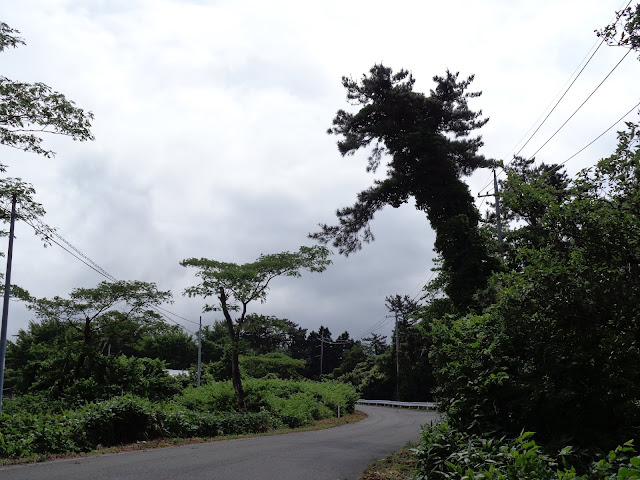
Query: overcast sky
(210,121)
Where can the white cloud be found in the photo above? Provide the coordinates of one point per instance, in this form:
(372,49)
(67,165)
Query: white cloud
(210,131)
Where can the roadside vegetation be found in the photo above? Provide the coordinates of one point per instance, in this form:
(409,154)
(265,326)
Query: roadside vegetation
(530,343)
(534,360)
(32,425)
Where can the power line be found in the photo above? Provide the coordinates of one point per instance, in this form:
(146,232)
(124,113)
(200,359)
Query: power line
(178,316)
(48,238)
(386,319)
(104,272)
(582,104)
(47,232)
(377,325)
(597,138)
(616,17)
(553,108)
(563,95)
(157,309)
(572,115)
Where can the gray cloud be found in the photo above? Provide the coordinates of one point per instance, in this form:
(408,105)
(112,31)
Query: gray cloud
(210,121)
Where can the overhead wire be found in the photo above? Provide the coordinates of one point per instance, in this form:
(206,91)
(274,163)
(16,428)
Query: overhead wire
(47,232)
(490,181)
(376,326)
(595,139)
(178,316)
(158,310)
(581,105)
(560,99)
(615,19)
(48,238)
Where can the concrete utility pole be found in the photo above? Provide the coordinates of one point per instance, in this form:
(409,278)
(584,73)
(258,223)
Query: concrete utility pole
(321,351)
(5,306)
(397,357)
(496,195)
(199,350)
(322,342)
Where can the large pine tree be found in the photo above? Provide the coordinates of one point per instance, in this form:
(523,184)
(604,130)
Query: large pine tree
(427,141)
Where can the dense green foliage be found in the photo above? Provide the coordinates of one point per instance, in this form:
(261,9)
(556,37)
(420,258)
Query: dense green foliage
(29,109)
(560,344)
(447,453)
(30,426)
(234,286)
(68,353)
(427,140)
(276,364)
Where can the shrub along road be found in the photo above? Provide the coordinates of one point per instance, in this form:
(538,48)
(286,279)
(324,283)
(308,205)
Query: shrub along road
(333,454)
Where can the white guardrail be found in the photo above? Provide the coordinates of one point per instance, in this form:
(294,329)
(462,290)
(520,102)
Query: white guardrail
(391,403)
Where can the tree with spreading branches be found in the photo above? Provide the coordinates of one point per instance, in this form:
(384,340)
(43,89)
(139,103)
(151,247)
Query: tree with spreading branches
(235,286)
(27,110)
(96,314)
(427,141)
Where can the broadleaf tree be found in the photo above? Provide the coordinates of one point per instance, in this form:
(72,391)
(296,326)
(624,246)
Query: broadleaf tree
(234,286)
(427,140)
(625,30)
(27,110)
(96,313)
(561,344)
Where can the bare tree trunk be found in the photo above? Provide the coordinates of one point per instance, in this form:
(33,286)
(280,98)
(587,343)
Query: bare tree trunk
(235,363)
(235,377)
(86,342)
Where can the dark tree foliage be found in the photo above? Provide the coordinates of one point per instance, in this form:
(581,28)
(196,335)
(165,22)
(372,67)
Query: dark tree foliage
(404,306)
(44,360)
(415,380)
(235,286)
(526,194)
(376,344)
(559,351)
(265,334)
(625,30)
(178,349)
(27,110)
(428,143)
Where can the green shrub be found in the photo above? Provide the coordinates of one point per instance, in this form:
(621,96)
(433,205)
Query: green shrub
(275,363)
(180,422)
(123,419)
(207,411)
(213,397)
(27,434)
(445,453)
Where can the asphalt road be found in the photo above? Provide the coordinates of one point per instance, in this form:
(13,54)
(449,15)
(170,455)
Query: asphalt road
(334,454)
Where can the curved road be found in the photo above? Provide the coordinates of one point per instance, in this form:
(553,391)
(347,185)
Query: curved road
(334,454)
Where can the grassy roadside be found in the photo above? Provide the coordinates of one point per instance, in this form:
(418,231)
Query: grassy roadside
(173,442)
(400,465)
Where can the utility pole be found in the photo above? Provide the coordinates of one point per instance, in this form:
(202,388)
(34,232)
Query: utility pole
(5,306)
(199,349)
(321,351)
(496,195)
(322,342)
(397,357)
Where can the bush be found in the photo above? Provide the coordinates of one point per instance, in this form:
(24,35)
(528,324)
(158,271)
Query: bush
(204,412)
(445,453)
(295,403)
(275,363)
(123,419)
(27,434)
(180,422)
(213,397)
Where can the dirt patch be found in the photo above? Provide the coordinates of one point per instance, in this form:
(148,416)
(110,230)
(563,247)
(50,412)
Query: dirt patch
(399,465)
